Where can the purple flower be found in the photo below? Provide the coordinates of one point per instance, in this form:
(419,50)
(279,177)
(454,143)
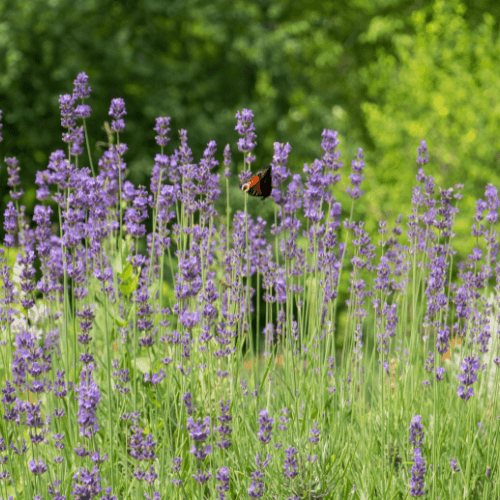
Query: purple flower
(188,403)
(177,461)
(331,157)
(256,489)
(88,396)
(117,110)
(202,477)
(266,427)
(280,171)
(21,450)
(189,319)
(97,459)
(66,105)
(443,334)
(469,367)
(422,150)
(291,462)
(388,311)
(227,161)
(156,494)
(59,441)
(80,90)
(223,477)
(315,434)
(136,214)
(440,373)
(14,181)
(454,465)
(223,429)
(54,490)
(144,311)
(10,224)
(142,449)
(86,484)
(284,419)
(155,379)
(417,475)
(83,111)
(150,477)
(436,280)
(429,363)
(37,469)
(246,129)
(263,464)
(199,433)
(356,176)
(162,128)
(416,431)
(315,192)
(8,394)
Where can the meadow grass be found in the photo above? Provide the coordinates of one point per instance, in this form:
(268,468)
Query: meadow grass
(153,348)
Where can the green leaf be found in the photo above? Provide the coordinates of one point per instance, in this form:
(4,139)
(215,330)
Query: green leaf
(142,364)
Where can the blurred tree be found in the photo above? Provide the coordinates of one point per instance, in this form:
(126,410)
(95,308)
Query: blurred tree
(439,84)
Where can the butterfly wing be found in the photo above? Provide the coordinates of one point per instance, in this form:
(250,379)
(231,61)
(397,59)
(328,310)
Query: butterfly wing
(260,184)
(266,182)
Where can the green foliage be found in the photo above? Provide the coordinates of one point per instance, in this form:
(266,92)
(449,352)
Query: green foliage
(438,83)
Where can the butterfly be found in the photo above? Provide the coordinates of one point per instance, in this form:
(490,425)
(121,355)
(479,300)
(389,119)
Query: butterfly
(261,184)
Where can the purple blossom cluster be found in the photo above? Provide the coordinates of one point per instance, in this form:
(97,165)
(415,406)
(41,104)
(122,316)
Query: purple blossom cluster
(417,474)
(418,469)
(469,367)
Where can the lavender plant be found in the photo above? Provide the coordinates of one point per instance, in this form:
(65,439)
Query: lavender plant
(135,362)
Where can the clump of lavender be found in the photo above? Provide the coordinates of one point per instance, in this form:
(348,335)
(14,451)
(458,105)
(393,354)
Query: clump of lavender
(418,470)
(143,451)
(54,489)
(37,469)
(188,403)
(199,433)
(176,467)
(290,465)
(315,434)
(469,367)
(256,489)
(266,427)
(417,474)
(88,396)
(223,478)
(86,483)
(14,180)
(429,362)
(454,465)
(356,176)
(416,431)
(223,429)
(246,143)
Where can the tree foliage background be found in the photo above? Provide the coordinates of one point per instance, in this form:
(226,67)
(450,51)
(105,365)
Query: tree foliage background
(384,73)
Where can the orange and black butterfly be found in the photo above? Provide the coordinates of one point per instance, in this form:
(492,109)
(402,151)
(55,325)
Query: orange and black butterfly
(261,184)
